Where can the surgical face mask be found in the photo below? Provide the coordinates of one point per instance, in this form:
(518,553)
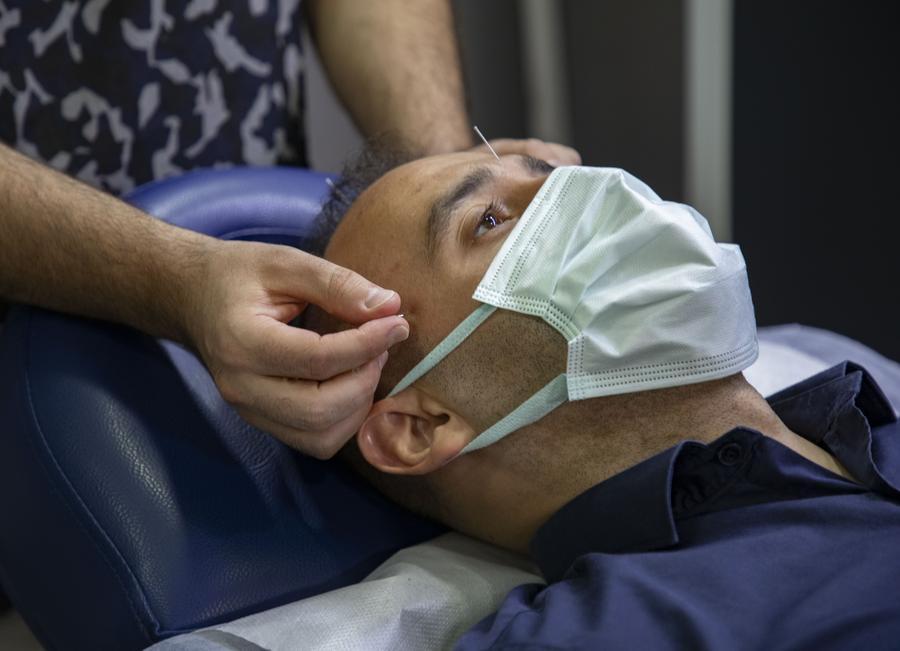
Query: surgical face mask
(641,293)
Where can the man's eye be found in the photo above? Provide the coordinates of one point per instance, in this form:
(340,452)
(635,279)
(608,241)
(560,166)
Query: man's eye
(488,221)
(494,215)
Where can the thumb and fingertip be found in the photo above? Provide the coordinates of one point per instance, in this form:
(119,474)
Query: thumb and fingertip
(381,360)
(381,302)
(373,303)
(377,297)
(348,295)
(362,302)
(389,330)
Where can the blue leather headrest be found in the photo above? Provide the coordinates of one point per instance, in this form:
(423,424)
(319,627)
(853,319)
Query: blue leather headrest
(135,503)
(276,204)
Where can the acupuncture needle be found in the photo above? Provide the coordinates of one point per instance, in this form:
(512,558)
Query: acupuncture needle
(484,140)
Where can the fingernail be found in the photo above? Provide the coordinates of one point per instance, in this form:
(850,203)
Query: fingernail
(555,162)
(378,297)
(398,334)
(382,359)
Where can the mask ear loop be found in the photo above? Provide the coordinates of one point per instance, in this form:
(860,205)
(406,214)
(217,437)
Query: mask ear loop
(459,334)
(554,393)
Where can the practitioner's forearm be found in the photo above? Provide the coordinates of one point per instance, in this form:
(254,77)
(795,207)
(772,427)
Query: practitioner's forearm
(396,66)
(68,247)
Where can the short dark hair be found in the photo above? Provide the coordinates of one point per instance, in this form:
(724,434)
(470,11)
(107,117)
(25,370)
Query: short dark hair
(378,156)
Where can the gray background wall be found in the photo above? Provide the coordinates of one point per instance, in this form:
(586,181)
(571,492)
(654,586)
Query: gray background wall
(816,163)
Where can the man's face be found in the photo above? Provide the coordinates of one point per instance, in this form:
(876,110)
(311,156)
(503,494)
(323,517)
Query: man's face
(429,231)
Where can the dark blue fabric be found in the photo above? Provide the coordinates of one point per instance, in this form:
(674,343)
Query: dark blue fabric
(738,544)
(134,503)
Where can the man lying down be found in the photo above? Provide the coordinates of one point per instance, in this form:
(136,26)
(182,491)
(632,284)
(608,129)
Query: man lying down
(587,407)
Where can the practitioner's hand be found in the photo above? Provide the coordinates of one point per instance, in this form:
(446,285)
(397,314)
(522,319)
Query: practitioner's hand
(310,391)
(555,154)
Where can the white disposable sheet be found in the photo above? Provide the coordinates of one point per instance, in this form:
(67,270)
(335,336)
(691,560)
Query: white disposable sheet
(423,597)
(779,366)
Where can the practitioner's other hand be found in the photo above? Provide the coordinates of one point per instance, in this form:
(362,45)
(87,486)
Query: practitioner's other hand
(555,154)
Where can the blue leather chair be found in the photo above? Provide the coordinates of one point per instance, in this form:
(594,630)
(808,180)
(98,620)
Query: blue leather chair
(135,503)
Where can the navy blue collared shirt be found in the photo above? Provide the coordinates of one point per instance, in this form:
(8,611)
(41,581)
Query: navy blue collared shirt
(738,544)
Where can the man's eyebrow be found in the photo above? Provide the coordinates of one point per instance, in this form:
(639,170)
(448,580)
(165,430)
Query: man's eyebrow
(442,209)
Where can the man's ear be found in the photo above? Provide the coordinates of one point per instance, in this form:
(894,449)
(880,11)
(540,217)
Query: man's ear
(411,433)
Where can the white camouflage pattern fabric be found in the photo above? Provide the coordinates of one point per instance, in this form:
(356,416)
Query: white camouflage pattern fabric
(121,93)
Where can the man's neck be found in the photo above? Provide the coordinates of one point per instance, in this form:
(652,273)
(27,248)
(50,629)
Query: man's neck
(606,436)
(731,403)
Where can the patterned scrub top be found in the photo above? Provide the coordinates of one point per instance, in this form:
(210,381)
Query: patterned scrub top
(121,93)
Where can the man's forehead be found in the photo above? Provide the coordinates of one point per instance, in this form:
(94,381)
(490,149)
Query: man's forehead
(427,178)
(400,198)
(433,174)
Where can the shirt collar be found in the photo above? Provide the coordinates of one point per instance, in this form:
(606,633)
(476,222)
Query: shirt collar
(612,517)
(841,409)
(632,511)
(811,406)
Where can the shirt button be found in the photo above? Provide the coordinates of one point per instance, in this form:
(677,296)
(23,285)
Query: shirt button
(730,453)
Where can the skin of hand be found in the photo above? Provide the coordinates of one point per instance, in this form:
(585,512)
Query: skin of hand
(554,153)
(395,65)
(67,247)
(310,391)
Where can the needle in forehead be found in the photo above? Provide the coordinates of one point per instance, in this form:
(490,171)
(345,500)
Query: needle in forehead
(484,140)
